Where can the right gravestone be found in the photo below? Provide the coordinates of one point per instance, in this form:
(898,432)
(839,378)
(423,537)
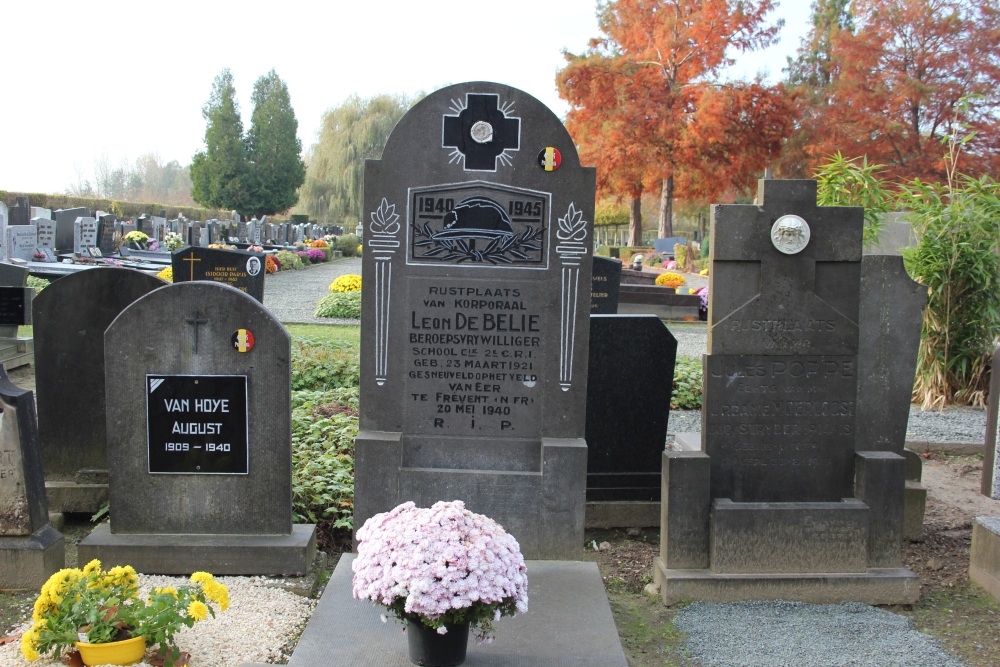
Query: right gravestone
(781,500)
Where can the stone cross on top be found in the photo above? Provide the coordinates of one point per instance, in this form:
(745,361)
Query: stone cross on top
(785,274)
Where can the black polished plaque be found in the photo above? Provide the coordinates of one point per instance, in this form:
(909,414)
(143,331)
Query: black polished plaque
(197,424)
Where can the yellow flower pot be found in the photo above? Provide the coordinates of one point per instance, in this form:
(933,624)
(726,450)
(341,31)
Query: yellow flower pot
(126,652)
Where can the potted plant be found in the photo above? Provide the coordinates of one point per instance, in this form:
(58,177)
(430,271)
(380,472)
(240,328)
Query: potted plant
(136,240)
(440,570)
(100,613)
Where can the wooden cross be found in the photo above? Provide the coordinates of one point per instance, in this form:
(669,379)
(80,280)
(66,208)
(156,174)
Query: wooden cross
(191,258)
(197,320)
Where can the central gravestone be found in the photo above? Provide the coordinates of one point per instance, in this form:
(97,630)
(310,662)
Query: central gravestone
(781,499)
(477,274)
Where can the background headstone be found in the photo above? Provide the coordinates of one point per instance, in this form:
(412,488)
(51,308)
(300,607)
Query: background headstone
(64,226)
(46,233)
(106,234)
(991,457)
(70,317)
(20,212)
(84,235)
(478,274)
(15,351)
(30,549)
(241,269)
(782,500)
(181,505)
(21,242)
(606,279)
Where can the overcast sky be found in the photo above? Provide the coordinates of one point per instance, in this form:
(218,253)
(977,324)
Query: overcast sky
(86,79)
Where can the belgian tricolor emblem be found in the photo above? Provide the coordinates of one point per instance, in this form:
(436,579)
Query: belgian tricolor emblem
(243,340)
(549,159)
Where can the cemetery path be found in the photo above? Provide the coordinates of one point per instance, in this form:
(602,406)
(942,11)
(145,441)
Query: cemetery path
(291,296)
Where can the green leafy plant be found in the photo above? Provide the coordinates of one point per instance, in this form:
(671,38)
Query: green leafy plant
(343,305)
(324,427)
(687,387)
(322,365)
(854,182)
(289,261)
(348,244)
(38,284)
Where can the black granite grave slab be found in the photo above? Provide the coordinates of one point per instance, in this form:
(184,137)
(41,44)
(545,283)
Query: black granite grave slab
(241,269)
(606,280)
(64,226)
(628,404)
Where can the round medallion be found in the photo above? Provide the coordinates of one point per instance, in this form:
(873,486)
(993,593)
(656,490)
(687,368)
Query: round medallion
(790,234)
(242,340)
(253,266)
(482,132)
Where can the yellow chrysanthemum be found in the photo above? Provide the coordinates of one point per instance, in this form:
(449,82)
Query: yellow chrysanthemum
(350,282)
(197,610)
(217,593)
(29,645)
(91,567)
(166,274)
(670,279)
(168,590)
(201,578)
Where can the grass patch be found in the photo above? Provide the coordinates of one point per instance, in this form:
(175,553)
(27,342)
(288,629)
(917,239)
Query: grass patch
(964,620)
(348,333)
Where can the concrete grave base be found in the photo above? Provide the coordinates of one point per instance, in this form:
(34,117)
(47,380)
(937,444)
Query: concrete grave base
(66,496)
(27,562)
(219,554)
(16,352)
(569,623)
(984,565)
(875,586)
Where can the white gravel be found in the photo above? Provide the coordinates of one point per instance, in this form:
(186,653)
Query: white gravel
(260,620)
(795,634)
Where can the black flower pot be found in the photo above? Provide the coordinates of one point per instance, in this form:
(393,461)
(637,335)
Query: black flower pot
(430,649)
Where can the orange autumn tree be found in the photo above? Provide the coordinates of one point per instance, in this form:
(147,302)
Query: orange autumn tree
(636,92)
(900,73)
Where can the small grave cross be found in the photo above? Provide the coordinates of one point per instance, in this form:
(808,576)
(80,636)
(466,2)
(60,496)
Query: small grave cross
(197,321)
(192,259)
(481,132)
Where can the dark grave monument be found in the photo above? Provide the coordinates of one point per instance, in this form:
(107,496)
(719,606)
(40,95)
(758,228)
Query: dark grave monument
(780,499)
(64,226)
(20,212)
(477,268)
(199,438)
(628,404)
(70,317)
(15,310)
(891,318)
(30,549)
(666,246)
(106,234)
(606,279)
(241,269)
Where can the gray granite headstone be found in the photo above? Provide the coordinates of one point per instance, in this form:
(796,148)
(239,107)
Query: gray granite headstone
(84,235)
(241,232)
(782,500)
(474,330)
(21,242)
(64,226)
(70,317)
(30,549)
(199,437)
(46,233)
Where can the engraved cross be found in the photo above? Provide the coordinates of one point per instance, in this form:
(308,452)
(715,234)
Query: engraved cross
(197,320)
(191,258)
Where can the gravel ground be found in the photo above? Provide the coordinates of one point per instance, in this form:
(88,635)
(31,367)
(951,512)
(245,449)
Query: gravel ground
(291,296)
(797,634)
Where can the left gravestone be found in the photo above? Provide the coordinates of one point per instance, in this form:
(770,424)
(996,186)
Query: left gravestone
(70,317)
(199,438)
(30,549)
